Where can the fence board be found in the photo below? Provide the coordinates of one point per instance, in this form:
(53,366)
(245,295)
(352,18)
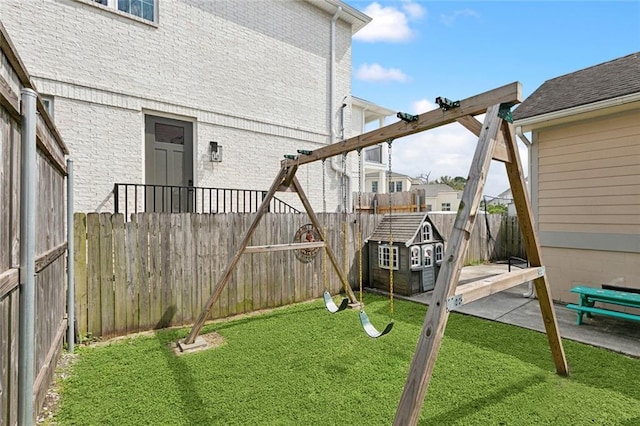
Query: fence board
(80,265)
(188,279)
(107,295)
(120,271)
(177,265)
(166,309)
(132,276)
(155,272)
(94,327)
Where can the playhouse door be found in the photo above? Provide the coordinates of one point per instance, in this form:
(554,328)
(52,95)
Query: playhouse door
(169,165)
(428,278)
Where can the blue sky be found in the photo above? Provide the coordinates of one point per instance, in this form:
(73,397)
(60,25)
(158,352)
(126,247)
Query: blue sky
(415,51)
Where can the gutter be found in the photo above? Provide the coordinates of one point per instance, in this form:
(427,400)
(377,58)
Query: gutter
(529,123)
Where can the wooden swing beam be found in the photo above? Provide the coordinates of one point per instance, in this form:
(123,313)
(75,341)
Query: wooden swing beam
(496,140)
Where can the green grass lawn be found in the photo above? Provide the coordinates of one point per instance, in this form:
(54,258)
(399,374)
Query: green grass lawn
(303,366)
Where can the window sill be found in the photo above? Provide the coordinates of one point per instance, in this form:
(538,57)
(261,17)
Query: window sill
(119,13)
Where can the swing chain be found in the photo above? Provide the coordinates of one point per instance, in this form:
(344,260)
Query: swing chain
(358,220)
(392,258)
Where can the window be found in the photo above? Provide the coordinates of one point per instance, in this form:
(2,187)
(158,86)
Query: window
(429,207)
(427,234)
(47,101)
(373,155)
(427,255)
(399,186)
(439,253)
(392,186)
(446,207)
(143,9)
(387,256)
(374,186)
(415,257)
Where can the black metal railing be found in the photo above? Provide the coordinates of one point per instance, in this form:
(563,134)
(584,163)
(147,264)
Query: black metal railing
(137,198)
(518,262)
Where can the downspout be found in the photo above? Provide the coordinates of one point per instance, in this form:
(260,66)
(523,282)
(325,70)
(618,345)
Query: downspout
(530,293)
(332,94)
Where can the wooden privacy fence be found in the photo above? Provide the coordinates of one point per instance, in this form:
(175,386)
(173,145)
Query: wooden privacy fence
(158,270)
(50,259)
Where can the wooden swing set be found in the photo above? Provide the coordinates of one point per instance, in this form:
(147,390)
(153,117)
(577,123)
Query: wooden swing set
(496,140)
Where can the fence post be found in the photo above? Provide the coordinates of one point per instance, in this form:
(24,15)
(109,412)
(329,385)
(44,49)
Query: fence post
(71,313)
(116,198)
(26,344)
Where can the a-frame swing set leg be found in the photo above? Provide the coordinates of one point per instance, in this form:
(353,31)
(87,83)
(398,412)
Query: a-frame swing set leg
(430,340)
(284,179)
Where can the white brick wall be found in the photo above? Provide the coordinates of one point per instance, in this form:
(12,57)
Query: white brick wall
(252,76)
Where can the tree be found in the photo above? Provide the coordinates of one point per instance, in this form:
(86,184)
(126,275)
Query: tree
(423,177)
(496,208)
(456,183)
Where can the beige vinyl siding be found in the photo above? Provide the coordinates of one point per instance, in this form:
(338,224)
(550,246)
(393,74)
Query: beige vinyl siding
(567,268)
(589,176)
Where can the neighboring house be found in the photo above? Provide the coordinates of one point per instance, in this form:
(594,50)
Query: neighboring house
(189,93)
(585,174)
(505,198)
(438,197)
(367,116)
(415,254)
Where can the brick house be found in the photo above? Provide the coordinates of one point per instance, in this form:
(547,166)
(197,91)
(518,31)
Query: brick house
(189,93)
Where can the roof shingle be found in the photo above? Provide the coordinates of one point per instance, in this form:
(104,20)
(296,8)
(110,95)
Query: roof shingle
(600,82)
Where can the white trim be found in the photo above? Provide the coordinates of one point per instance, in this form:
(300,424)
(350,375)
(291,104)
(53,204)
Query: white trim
(572,114)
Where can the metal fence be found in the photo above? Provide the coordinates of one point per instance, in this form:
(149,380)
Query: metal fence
(141,198)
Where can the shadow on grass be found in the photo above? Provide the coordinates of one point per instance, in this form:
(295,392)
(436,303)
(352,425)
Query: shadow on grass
(193,407)
(465,409)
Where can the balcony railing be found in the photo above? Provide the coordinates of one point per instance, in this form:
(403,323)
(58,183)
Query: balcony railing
(138,198)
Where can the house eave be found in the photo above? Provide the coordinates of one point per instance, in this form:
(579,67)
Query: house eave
(581,112)
(349,14)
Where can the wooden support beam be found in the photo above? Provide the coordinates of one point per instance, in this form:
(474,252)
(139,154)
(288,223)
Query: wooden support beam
(264,207)
(329,250)
(486,287)
(283,247)
(532,246)
(500,152)
(511,94)
(424,359)
(47,258)
(9,280)
(286,184)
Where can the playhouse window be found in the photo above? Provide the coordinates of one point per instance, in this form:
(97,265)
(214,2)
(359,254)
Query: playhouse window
(427,255)
(415,257)
(427,233)
(388,256)
(439,253)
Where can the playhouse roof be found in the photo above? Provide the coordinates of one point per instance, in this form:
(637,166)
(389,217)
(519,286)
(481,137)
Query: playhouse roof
(404,227)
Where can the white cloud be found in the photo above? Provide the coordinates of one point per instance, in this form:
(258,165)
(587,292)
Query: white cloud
(446,151)
(389,23)
(414,10)
(452,18)
(378,73)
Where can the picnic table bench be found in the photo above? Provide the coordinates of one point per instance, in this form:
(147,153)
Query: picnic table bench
(589,296)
